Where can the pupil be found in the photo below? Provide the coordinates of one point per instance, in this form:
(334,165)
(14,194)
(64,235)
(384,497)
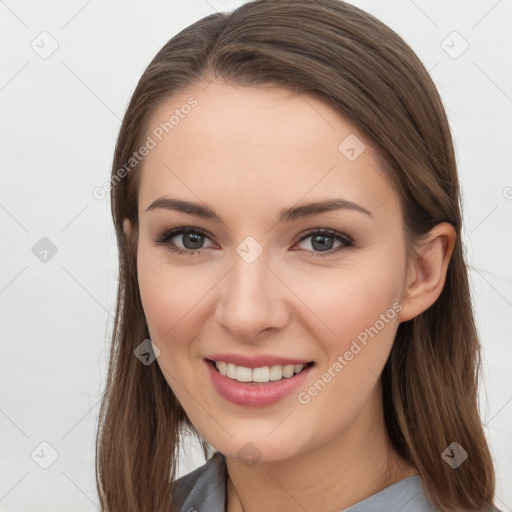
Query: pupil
(321,240)
(197,240)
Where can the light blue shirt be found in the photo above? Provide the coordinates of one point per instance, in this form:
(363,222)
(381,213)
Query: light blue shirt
(205,490)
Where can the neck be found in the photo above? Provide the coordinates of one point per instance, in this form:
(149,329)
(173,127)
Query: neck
(355,464)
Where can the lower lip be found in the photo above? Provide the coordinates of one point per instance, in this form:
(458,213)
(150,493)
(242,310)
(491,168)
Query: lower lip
(255,394)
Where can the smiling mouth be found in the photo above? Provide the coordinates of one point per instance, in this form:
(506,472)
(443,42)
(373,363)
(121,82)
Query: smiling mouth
(258,375)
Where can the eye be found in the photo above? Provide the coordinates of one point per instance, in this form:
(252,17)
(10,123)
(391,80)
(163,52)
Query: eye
(184,241)
(189,241)
(323,240)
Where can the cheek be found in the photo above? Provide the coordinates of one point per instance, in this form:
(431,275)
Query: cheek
(171,296)
(353,300)
(361,308)
(171,299)
(157,287)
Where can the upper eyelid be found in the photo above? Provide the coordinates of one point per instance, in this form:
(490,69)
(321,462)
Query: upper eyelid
(308,232)
(171,233)
(326,231)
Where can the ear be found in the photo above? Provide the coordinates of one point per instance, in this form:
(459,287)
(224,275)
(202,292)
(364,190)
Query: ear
(427,269)
(127,226)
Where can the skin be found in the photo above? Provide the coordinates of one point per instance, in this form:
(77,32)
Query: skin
(247,153)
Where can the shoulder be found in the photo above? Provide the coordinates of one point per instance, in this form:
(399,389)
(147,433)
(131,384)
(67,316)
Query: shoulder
(205,489)
(202,489)
(407,495)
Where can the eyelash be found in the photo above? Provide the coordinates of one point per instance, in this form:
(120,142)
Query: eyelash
(164,240)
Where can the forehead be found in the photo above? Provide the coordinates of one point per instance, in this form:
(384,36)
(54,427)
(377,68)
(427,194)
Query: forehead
(257,145)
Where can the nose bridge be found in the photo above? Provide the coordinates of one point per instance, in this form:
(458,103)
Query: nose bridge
(252,298)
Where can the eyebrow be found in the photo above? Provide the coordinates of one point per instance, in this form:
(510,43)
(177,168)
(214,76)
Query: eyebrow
(286,215)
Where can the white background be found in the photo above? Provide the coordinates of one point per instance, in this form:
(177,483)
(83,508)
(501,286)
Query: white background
(59,121)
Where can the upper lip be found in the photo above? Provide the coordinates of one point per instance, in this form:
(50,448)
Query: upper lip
(256,361)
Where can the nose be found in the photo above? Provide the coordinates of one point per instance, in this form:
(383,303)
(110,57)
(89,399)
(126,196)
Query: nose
(252,300)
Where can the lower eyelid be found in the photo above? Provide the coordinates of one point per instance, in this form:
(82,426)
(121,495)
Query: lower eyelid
(165,240)
(340,237)
(344,245)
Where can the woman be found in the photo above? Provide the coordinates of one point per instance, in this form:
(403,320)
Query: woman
(285,197)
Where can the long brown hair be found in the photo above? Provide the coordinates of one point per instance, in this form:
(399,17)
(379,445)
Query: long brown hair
(368,74)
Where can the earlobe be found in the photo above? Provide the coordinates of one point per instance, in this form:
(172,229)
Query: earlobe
(127,227)
(427,271)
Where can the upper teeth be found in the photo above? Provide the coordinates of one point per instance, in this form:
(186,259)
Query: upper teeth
(264,374)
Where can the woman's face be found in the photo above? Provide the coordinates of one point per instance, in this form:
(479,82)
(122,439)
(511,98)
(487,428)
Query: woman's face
(255,277)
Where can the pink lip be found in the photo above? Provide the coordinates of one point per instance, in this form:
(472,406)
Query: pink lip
(255,361)
(251,394)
